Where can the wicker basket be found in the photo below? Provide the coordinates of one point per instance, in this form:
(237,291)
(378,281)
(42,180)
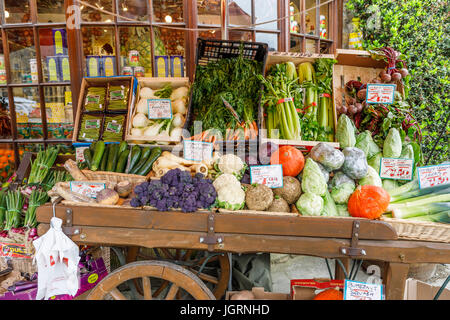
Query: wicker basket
(420,230)
(114,176)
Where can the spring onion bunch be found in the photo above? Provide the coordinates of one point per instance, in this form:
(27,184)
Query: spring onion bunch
(40,167)
(37,198)
(14,204)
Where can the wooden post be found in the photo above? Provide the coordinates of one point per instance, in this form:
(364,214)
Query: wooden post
(394,279)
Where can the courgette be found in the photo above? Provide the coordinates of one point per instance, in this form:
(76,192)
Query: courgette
(122,163)
(105,158)
(144,156)
(113,156)
(97,157)
(156,152)
(123,146)
(135,156)
(92,147)
(88,157)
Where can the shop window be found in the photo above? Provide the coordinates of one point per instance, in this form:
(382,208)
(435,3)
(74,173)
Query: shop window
(238,35)
(92,15)
(270,38)
(135,50)
(17,11)
(99,51)
(50,11)
(210,34)
(22,56)
(54,55)
(209,12)
(168,11)
(5,120)
(28,113)
(240,12)
(266,10)
(133,9)
(59,112)
(169,49)
(6,161)
(324,20)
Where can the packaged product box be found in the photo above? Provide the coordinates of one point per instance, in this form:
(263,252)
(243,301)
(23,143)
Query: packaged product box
(305,289)
(59,41)
(64,68)
(93,66)
(161,66)
(53,68)
(176,66)
(33,70)
(2,69)
(108,66)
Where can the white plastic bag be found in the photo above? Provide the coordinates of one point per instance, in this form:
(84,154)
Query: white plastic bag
(57,260)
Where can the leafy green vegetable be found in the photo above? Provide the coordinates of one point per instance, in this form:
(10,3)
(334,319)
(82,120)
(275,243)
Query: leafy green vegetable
(345,132)
(342,193)
(342,210)
(372,178)
(329,206)
(390,184)
(313,180)
(375,161)
(310,204)
(392,147)
(365,142)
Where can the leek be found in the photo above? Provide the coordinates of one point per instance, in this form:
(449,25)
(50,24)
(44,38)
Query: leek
(442,217)
(406,212)
(415,193)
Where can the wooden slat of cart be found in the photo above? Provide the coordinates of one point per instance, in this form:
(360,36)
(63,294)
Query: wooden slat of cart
(224,223)
(398,251)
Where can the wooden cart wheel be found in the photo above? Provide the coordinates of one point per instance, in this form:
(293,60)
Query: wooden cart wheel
(178,278)
(216,278)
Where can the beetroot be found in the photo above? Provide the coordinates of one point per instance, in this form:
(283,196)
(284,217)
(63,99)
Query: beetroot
(396,76)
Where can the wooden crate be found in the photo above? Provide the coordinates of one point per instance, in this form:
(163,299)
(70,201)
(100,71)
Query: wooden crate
(296,58)
(89,82)
(154,83)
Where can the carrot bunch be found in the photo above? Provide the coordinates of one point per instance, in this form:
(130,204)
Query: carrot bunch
(245,131)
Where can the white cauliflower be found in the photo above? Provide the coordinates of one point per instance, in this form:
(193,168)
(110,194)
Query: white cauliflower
(231,197)
(230,163)
(226,179)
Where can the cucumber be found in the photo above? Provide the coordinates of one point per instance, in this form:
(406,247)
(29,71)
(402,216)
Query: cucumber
(113,156)
(88,157)
(92,147)
(156,152)
(98,153)
(122,163)
(135,156)
(144,156)
(123,146)
(105,158)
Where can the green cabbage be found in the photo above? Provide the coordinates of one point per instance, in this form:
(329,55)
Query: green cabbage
(313,180)
(375,161)
(329,207)
(372,178)
(310,204)
(345,132)
(392,147)
(342,193)
(365,142)
(407,152)
(342,210)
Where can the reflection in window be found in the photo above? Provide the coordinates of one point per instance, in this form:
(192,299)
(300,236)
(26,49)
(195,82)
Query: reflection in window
(133,9)
(6,161)
(54,55)
(51,11)
(169,52)
(58,106)
(5,120)
(208,12)
(240,12)
(99,51)
(237,35)
(135,50)
(323,23)
(28,113)
(270,38)
(22,56)
(93,15)
(266,10)
(210,34)
(17,11)
(168,11)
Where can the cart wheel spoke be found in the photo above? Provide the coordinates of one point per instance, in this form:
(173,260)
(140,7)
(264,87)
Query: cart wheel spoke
(117,295)
(168,254)
(206,277)
(160,289)
(147,288)
(187,255)
(172,292)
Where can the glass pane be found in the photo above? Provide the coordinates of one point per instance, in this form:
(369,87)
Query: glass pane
(64,149)
(169,52)
(99,51)
(208,12)
(310,17)
(2,63)
(135,50)
(22,56)
(210,34)
(133,9)
(296,44)
(240,12)
(6,161)
(325,47)
(270,38)
(28,113)
(240,35)
(54,55)
(168,11)
(323,23)
(295,17)
(29,147)
(5,119)
(17,11)
(91,14)
(51,11)
(58,106)
(266,10)
(311,45)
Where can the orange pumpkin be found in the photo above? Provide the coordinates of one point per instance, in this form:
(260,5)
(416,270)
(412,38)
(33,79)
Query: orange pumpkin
(368,202)
(329,294)
(290,158)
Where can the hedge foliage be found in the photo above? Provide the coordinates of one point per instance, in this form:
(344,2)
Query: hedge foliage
(420,30)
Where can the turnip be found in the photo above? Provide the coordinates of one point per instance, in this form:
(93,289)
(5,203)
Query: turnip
(404,72)
(386,78)
(396,76)
(362,94)
(359,107)
(352,109)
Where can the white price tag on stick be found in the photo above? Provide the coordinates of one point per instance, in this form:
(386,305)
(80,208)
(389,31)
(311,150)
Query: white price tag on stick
(380,93)
(269,175)
(159,108)
(355,290)
(431,176)
(197,150)
(397,169)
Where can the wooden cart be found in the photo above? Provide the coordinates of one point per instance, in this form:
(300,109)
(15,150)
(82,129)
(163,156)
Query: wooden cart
(224,231)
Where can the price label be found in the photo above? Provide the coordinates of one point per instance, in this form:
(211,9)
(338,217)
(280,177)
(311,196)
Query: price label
(380,93)
(397,169)
(431,176)
(86,188)
(197,150)
(79,154)
(159,108)
(355,290)
(269,175)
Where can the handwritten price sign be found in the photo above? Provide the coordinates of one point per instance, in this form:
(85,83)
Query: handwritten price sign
(270,175)
(397,169)
(354,290)
(433,175)
(159,109)
(197,150)
(380,93)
